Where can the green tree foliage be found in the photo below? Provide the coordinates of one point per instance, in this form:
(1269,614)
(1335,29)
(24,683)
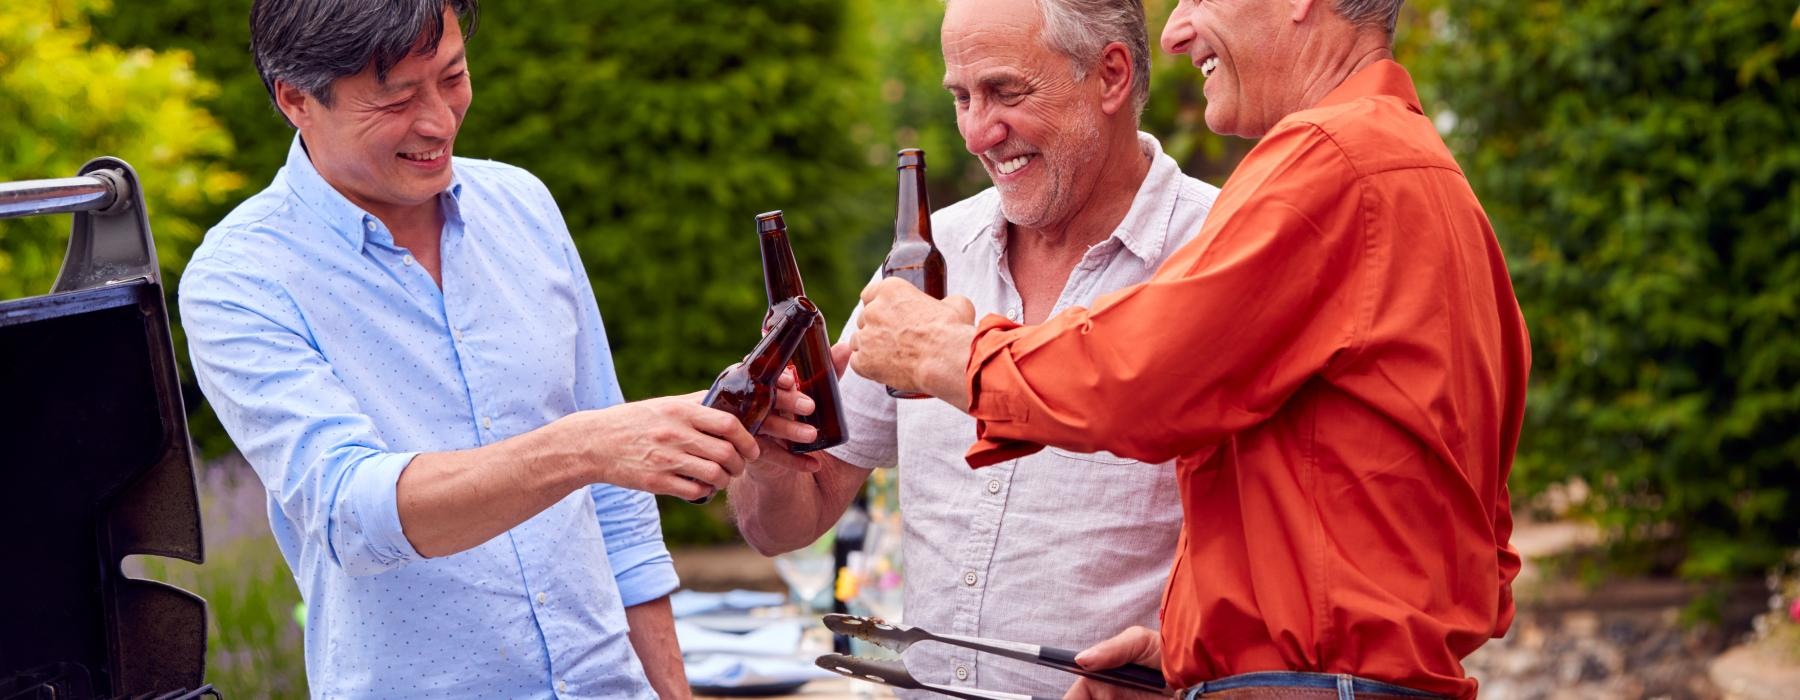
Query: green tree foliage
(66,97)
(1641,163)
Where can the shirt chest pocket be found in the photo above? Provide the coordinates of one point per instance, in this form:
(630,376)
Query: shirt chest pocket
(1093,457)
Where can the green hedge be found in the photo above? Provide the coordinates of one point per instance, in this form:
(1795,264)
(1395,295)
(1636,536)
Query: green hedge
(1641,163)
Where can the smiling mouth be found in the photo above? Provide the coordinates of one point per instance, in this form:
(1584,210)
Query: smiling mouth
(1208,66)
(426,156)
(1010,166)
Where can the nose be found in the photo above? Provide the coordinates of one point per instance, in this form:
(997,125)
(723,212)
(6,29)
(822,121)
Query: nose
(1178,34)
(981,128)
(436,118)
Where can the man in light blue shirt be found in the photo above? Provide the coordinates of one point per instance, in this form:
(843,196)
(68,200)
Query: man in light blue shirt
(407,350)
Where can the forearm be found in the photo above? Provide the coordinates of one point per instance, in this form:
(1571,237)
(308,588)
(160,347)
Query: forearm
(780,509)
(453,501)
(653,638)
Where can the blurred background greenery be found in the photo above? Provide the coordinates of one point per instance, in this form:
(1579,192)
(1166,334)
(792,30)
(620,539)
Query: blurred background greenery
(1640,160)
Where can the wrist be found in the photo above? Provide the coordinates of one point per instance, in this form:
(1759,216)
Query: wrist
(946,377)
(554,456)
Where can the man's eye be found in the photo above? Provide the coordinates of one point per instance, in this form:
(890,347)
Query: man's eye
(395,106)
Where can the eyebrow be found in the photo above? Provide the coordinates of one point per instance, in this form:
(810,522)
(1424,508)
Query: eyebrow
(391,88)
(990,81)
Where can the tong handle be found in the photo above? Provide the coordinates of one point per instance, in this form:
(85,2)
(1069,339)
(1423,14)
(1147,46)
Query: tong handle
(1132,675)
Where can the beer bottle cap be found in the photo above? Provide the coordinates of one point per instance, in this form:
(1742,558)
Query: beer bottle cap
(912,158)
(770,221)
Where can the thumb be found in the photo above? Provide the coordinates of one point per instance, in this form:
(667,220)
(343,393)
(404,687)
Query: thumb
(1137,645)
(840,354)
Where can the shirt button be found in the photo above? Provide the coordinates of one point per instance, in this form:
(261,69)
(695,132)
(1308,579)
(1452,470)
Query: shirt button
(458,333)
(562,686)
(543,598)
(369,224)
(969,578)
(994,486)
(487,422)
(962,673)
(1013,313)
(408,260)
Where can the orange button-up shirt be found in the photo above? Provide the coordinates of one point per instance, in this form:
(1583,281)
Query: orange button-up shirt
(1338,364)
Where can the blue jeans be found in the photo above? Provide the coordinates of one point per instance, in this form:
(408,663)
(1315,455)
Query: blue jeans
(1347,686)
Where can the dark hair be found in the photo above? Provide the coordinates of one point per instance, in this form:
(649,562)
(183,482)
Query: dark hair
(309,44)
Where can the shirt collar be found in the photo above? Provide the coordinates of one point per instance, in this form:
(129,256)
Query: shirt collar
(1383,78)
(355,225)
(1144,229)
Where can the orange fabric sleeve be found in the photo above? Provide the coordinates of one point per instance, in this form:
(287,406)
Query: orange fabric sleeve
(1213,343)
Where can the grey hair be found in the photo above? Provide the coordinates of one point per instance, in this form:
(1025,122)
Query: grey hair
(1371,13)
(309,44)
(1081,29)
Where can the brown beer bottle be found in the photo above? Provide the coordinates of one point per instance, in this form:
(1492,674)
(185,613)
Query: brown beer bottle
(812,364)
(747,389)
(914,257)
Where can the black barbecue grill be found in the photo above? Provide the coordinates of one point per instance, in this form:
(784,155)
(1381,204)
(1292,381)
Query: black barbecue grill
(95,461)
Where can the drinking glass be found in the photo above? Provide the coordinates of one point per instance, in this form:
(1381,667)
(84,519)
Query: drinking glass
(808,571)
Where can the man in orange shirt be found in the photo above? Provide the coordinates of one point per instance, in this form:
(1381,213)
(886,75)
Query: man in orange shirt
(1336,362)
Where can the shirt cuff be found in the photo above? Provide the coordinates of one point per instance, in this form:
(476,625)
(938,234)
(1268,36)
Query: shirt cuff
(993,399)
(366,534)
(644,572)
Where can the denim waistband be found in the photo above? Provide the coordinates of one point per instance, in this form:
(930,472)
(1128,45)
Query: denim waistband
(1347,686)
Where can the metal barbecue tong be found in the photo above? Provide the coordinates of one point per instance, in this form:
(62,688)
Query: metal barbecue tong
(898,637)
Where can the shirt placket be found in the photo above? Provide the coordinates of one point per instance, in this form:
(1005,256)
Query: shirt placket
(535,578)
(975,565)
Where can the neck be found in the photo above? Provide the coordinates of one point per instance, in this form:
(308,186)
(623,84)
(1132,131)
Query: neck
(1324,71)
(1092,220)
(411,224)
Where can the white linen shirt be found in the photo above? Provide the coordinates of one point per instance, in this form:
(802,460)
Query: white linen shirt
(1057,548)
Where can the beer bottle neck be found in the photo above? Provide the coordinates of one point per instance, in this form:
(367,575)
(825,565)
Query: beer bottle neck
(913,209)
(781,274)
(777,348)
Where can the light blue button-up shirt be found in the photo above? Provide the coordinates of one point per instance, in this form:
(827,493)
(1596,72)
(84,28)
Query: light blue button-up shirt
(332,359)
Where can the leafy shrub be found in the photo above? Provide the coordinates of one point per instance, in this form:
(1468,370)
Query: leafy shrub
(1641,163)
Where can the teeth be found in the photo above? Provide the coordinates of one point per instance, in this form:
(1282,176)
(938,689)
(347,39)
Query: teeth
(427,155)
(1012,166)
(1208,66)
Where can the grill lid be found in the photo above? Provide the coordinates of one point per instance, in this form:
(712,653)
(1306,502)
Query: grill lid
(97,463)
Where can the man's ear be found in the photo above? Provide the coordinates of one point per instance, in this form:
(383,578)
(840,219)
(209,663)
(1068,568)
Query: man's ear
(1299,9)
(1116,73)
(295,104)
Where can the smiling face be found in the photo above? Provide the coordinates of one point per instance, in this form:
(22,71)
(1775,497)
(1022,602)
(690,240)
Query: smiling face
(1040,133)
(1245,50)
(386,145)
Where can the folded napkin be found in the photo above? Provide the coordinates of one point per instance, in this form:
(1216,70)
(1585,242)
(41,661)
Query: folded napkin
(727,671)
(685,603)
(778,638)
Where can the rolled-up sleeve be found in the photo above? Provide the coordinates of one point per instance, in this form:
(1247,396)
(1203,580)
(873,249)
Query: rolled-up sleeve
(872,415)
(1209,345)
(318,454)
(634,545)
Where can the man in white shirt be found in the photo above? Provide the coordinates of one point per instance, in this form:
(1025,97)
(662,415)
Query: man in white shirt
(1048,95)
